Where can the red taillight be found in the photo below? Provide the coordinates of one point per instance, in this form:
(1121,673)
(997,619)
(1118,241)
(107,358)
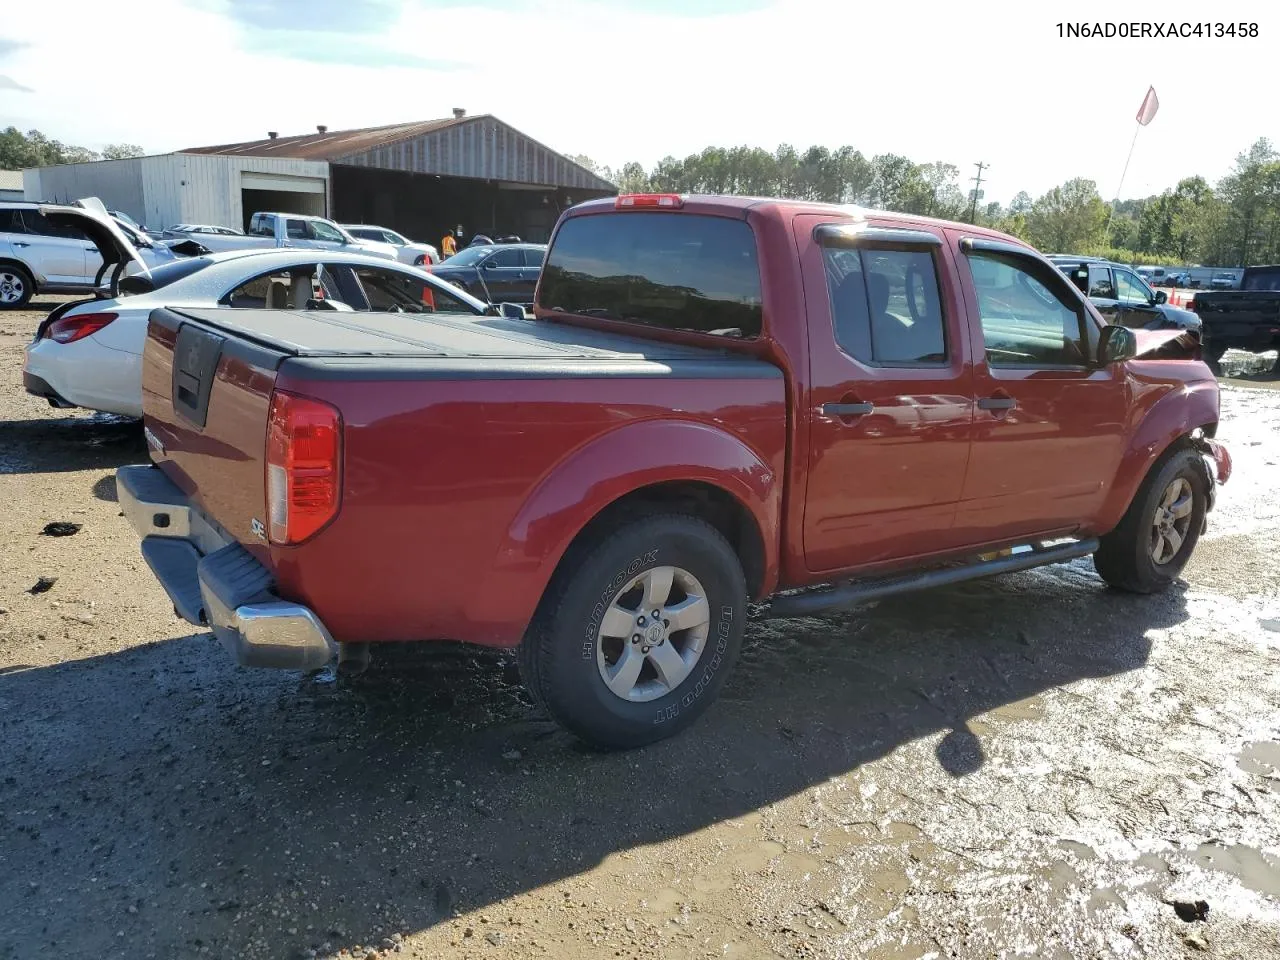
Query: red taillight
(71,329)
(1190,305)
(304,457)
(629,201)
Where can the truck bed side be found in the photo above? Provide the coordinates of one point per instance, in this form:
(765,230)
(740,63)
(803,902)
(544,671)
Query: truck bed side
(473,452)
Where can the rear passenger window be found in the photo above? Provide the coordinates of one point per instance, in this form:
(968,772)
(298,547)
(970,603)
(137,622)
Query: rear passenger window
(1028,316)
(676,271)
(284,290)
(885,305)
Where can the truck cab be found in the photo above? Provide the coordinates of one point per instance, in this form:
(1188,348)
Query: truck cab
(717,400)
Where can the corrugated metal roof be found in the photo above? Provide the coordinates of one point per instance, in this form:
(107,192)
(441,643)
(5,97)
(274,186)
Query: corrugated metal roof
(10,179)
(332,144)
(481,146)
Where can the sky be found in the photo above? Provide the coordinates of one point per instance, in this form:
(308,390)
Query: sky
(622,80)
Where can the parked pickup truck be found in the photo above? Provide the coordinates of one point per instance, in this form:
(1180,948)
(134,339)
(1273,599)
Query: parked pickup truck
(271,230)
(1247,319)
(717,400)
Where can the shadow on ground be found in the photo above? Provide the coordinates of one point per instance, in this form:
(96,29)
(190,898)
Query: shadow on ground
(163,799)
(89,442)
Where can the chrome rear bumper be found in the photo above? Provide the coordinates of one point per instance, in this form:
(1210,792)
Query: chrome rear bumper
(215,582)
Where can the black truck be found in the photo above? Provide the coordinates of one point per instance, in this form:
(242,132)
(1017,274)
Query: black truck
(1247,319)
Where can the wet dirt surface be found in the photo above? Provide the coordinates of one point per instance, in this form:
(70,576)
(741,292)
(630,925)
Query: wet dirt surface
(1030,766)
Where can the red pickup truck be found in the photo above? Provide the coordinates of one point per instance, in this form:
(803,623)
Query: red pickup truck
(715,400)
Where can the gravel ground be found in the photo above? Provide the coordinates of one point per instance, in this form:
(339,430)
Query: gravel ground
(1026,766)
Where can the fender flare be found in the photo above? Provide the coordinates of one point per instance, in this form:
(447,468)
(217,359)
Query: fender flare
(1175,414)
(591,478)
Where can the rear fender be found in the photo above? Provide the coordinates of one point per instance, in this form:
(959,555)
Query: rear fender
(1179,411)
(588,480)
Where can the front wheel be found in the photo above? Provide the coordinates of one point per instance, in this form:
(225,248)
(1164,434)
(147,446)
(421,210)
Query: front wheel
(1148,549)
(639,632)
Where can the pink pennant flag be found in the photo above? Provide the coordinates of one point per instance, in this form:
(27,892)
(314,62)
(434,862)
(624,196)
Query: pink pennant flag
(1150,104)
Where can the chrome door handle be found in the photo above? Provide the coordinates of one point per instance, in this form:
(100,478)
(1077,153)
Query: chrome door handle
(847,409)
(21,243)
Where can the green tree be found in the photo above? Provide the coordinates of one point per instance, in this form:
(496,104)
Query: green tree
(1068,219)
(122,151)
(33,149)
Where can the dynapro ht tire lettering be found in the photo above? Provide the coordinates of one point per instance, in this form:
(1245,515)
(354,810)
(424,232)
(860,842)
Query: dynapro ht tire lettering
(638,632)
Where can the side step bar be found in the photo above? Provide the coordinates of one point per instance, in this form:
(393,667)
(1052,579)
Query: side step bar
(846,594)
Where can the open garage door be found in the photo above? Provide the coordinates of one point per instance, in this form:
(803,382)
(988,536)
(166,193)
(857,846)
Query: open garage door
(273,193)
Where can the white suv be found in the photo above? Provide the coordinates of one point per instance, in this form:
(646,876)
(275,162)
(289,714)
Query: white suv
(38,255)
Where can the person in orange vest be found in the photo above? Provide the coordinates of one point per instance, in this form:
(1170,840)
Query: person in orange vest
(448,247)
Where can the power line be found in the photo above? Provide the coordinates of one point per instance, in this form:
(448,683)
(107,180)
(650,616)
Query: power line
(977,182)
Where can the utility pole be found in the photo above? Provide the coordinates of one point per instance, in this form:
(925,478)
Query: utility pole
(977,182)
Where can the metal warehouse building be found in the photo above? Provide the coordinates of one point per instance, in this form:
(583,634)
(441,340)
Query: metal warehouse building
(419,178)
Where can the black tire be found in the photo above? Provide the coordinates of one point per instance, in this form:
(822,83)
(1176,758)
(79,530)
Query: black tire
(11,273)
(1124,558)
(559,656)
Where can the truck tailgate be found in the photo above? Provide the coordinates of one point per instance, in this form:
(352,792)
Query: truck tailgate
(205,397)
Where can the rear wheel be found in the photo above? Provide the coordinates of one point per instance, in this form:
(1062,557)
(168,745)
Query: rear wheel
(639,633)
(1154,541)
(16,287)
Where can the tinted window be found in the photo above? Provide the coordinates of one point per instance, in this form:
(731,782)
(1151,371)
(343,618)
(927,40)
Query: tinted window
(506,258)
(295,230)
(1100,284)
(1130,289)
(262,226)
(391,290)
(38,224)
(671,270)
(1028,316)
(885,305)
(1259,280)
(11,221)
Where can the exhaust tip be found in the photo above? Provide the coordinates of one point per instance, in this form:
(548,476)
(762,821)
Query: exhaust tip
(353,659)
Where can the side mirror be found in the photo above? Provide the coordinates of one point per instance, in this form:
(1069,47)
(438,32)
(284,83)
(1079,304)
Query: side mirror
(1117,343)
(513,311)
(1161,297)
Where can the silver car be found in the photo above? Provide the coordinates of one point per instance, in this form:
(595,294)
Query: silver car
(42,249)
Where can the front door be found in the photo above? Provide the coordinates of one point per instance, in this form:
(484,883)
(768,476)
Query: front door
(1049,424)
(324,236)
(500,274)
(890,395)
(1102,291)
(1137,302)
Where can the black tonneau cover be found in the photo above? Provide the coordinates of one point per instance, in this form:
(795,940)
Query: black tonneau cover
(341,345)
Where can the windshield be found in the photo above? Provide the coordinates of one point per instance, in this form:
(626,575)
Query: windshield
(469,257)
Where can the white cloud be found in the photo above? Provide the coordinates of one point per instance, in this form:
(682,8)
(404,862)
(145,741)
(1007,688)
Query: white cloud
(931,80)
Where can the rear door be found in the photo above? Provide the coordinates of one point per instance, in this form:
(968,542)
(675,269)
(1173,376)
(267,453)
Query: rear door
(891,401)
(60,252)
(1048,425)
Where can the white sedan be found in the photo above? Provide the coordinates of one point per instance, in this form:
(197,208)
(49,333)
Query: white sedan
(88,353)
(418,254)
